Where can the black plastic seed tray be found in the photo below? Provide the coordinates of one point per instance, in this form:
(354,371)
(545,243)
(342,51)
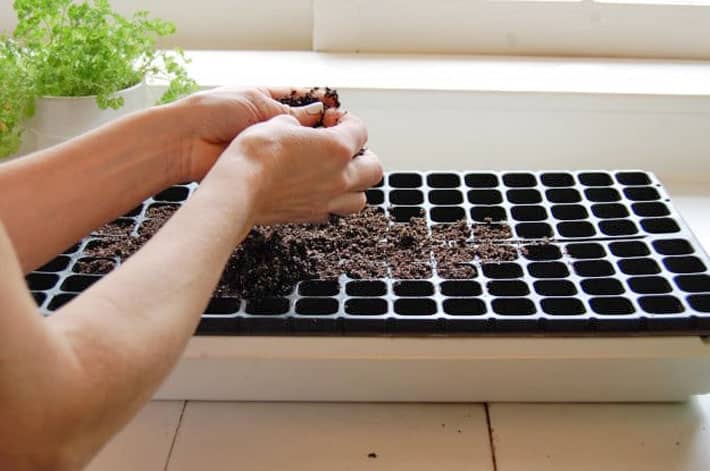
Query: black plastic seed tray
(598,253)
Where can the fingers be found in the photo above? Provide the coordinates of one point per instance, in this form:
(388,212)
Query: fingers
(309,115)
(347,203)
(363,171)
(350,131)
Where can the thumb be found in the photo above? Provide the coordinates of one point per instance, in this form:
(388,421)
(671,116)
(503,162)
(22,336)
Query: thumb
(308,115)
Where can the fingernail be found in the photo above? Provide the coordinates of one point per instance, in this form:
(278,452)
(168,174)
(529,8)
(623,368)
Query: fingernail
(314,108)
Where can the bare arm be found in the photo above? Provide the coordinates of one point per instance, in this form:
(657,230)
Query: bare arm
(103,355)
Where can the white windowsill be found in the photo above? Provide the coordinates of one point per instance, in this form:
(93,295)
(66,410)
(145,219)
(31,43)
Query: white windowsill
(451,73)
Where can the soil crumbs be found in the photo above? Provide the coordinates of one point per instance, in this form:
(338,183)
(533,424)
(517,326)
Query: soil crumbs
(273,259)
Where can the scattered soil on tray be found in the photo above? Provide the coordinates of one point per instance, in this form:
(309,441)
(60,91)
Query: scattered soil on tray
(273,259)
(96,266)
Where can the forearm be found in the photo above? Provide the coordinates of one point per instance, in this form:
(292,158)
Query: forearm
(128,330)
(55,197)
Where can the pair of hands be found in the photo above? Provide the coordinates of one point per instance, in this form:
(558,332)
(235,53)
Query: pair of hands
(303,173)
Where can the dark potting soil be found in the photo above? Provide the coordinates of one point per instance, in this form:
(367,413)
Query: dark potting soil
(273,259)
(97,266)
(328,96)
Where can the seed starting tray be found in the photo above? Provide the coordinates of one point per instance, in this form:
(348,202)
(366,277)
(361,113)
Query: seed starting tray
(598,253)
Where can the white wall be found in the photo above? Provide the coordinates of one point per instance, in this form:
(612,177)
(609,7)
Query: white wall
(220,24)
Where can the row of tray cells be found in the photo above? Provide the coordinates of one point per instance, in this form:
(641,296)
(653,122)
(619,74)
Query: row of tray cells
(517,180)
(463,306)
(454,306)
(589,259)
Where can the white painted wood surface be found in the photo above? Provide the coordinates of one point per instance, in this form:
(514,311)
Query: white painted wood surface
(326,437)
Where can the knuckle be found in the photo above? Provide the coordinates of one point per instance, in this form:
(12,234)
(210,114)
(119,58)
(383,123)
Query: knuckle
(341,150)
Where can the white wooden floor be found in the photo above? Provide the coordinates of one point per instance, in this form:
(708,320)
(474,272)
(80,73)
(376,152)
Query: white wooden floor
(179,436)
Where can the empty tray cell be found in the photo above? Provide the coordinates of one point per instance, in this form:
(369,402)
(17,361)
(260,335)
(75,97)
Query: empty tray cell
(610,210)
(464,307)
(629,249)
(481,180)
(319,288)
(174,194)
(514,307)
(79,283)
(595,179)
(618,227)
(375,197)
(533,230)
(161,210)
(405,180)
(700,302)
(94,265)
(649,210)
(60,300)
(576,229)
(563,195)
(443,180)
(586,250)
(694,283)
(366,288)
(39,298)
(673,247)
(56,264)
(602,287)
(555,288)
(460,288)
(557,179)
(633,178)
(562,306)
(406,197)
(569,212)
(529,213)
(317,306)
(661,304)
(612,306)
(649,285)
(413,288)
(508,288)
(519,180)
(646,193)
(134,212)
(488,213)
(447,213)
(684,264)
(602,195)
(502,270)
(523,196)
(40,281)
(222,306)
(267,306)
(366,307)
(415,307)
(594,268)
(485,197)
(639,266)
(540,252)
(445,197)
(548,270)
(660,225)
(405,213)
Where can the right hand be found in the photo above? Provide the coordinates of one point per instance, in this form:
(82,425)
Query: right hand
(304,173)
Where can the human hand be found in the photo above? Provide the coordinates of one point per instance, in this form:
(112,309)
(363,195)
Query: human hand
(215,117)
(303,174)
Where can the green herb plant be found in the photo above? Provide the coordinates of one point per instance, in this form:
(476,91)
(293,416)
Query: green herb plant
(15,96)
(69,48)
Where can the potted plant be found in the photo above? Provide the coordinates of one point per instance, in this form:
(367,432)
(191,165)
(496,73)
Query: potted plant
(78,65)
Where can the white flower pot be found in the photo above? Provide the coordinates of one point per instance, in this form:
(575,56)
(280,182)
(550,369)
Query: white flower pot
(58,119)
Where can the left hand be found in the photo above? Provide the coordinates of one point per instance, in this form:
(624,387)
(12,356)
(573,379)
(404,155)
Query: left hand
(215,117)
